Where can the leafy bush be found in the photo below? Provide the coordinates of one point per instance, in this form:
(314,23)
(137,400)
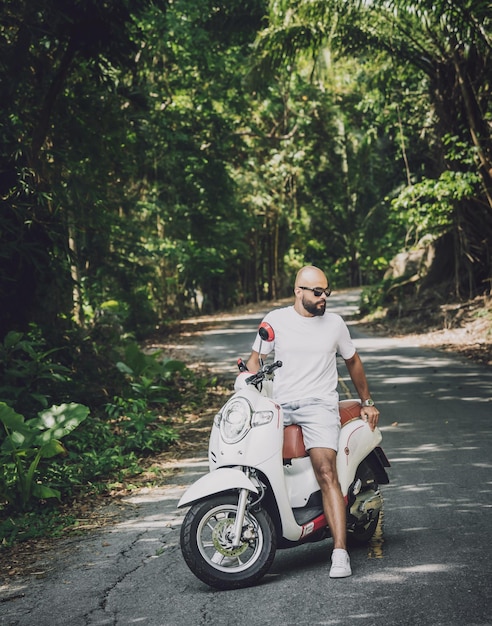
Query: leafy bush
(137,427)
(27,443)
(30,375)
(37,471)
(149,377)
(34,524)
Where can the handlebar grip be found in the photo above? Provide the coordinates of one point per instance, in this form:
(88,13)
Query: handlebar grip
(241,365)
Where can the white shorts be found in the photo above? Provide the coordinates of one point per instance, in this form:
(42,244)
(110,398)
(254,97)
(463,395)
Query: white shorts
(319,420)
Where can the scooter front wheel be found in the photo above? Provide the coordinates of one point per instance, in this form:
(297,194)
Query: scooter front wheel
(207,543)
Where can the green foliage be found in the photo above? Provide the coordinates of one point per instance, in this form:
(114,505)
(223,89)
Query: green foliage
(96,453)
(34,464)
(150,379)
(201,151)
(160,159)
(421,110)
(110,449)
(33,525)
(28,370)
(431,205)
(27,443)
(137,428)
(428,207)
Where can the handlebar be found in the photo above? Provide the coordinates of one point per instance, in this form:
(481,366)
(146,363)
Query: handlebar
(261,374)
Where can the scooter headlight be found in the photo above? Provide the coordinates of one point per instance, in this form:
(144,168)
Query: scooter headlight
(235,420)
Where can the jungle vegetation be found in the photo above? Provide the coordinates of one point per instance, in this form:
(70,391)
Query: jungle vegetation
(162,158)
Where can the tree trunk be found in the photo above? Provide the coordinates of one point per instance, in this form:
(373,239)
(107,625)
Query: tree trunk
(78,309)
(478,129)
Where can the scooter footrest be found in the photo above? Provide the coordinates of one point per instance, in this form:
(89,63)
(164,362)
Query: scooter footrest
(306,514)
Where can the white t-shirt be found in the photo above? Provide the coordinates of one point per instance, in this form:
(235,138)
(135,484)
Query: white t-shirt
(307,347)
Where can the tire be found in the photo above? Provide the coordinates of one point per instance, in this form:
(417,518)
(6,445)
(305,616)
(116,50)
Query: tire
(208,552)
(363,533)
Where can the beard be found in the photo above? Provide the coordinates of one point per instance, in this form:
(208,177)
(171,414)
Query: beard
(317,309)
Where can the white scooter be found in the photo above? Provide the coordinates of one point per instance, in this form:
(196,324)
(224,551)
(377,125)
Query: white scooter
(261,492)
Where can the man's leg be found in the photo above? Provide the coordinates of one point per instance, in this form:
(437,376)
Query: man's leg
(325,469)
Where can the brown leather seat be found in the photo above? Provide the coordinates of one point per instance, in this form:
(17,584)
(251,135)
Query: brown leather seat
(293,441)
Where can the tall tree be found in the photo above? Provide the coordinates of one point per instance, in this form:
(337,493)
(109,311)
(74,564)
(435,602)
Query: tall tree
(47,50)
(448,43)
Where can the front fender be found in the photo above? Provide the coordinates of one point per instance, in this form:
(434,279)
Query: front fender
(222,479)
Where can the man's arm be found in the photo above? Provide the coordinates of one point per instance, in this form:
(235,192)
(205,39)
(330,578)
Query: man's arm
(358,376)
(253,363)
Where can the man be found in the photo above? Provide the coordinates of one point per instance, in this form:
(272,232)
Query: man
(307,340)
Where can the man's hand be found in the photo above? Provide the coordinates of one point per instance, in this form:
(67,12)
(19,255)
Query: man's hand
(370,414)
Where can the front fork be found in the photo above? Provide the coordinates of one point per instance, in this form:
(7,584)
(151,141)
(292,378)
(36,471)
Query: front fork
(241,510)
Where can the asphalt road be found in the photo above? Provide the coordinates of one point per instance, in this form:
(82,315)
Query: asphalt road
(429,565)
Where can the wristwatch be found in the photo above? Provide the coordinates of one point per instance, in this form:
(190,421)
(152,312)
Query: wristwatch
(368,402)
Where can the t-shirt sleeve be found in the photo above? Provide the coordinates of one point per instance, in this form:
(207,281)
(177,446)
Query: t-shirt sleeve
(346,348)
(266,346)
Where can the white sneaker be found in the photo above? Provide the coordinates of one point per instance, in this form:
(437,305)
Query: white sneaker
(340,564)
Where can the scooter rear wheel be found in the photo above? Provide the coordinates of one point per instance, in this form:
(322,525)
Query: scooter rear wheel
(207,547)
(363,534)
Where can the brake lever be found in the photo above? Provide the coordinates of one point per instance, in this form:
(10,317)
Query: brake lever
(271,368)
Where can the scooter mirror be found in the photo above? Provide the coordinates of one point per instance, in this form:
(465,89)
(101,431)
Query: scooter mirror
(266,332)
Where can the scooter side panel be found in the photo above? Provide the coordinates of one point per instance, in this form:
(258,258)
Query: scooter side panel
(223,479)
(300,481)
(356,441)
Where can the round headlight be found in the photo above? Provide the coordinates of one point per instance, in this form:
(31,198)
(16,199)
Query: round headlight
(236,420)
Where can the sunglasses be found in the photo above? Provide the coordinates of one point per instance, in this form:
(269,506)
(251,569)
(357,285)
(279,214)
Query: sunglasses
(318,291)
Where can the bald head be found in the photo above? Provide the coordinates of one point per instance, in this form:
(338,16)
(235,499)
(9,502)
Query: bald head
(311,276)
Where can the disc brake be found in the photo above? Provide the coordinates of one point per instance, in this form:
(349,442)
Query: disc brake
(223,535)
